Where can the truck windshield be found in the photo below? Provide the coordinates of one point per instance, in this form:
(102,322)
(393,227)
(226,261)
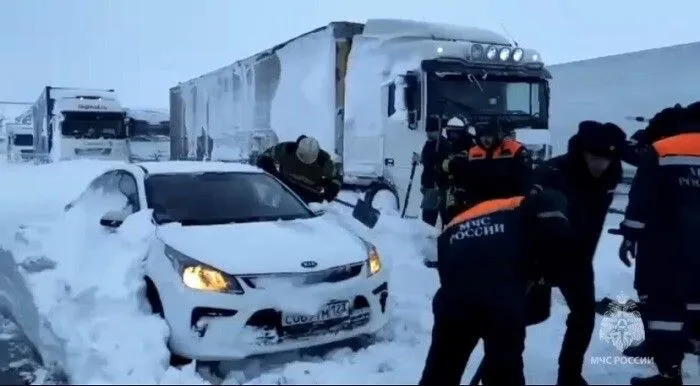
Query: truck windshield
(142,130)
(23,140)
(521,100)
(93,125)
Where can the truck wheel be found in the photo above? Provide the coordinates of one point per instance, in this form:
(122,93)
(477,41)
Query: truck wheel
(153,298)
(382,197)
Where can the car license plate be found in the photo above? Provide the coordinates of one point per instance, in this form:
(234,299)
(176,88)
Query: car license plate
(331,311)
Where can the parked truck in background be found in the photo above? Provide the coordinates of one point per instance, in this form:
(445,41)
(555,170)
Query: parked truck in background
(73,123)
(20,142)
(365,91)
(149,134)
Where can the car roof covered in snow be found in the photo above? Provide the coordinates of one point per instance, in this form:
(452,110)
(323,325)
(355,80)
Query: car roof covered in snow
(167,167)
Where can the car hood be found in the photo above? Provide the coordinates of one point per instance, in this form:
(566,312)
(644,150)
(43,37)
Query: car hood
(266,247)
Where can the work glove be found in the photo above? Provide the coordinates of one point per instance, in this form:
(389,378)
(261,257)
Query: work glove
(415,158)
(267,164)
(628,248)
(330,191)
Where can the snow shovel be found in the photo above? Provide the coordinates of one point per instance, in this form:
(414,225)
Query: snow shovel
(362,211)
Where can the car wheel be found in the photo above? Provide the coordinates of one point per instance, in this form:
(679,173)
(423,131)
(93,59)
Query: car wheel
(153,298)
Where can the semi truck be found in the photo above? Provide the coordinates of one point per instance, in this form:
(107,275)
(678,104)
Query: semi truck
(364,90)
(149,134)
(20,142)
(74,123)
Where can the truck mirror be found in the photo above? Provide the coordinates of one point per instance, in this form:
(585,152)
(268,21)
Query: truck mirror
(411,94)
(399,96)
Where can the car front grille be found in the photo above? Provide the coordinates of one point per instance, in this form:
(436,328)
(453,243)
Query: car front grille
(330,275)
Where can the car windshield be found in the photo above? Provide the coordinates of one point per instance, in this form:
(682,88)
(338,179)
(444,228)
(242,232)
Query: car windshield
(221,197)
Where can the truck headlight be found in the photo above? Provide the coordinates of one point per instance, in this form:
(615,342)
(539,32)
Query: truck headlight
(504,54)
(477,51)
(518,54)
(199,276)
(491,53)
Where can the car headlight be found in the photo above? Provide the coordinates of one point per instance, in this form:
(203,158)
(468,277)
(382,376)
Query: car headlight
(374,262)
(199,276)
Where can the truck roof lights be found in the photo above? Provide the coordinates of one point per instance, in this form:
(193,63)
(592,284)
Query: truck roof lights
(491,53)
(518,54)
(477,51)
(504,54)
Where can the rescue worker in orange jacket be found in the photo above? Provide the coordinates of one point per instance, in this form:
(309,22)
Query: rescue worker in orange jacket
(660,230)
(662,125)
(493,154)
(488,257)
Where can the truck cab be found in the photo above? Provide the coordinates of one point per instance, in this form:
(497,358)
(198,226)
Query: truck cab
(149,134)
(20,142)
(434,70)
(72,123)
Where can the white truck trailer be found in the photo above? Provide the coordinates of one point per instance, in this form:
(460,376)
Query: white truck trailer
(364,91)
(73,123)
(20,142)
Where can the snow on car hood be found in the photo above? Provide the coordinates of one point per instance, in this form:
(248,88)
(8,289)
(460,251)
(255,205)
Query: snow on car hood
(266,247)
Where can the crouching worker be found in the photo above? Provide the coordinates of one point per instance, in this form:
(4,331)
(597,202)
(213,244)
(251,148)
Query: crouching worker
(306,168)
(490,258)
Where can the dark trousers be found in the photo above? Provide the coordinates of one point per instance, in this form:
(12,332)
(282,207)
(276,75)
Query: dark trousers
(579,292)
(454,340)
(666,339)
(430,215)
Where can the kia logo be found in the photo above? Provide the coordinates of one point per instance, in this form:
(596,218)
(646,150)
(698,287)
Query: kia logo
(308,264)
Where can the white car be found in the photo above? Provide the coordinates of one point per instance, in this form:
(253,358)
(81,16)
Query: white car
(229,238)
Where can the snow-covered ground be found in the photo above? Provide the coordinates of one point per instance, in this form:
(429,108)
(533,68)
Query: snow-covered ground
(93,297)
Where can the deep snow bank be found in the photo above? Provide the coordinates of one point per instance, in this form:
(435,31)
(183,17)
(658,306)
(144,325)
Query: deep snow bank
(94,300)
(84,281)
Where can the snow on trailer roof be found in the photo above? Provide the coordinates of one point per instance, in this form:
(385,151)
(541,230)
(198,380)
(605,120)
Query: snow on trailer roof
(390,28)
(165,167)
(151,116)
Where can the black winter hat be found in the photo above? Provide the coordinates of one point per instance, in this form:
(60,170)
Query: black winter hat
(692,113)
(300,138)
(665,122)
(603,139)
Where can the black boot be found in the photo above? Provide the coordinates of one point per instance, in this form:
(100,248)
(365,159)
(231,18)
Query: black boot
(640,350)
(658,380)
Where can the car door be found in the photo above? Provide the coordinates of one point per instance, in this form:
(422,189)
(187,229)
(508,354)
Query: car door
(103,194)
(128,186)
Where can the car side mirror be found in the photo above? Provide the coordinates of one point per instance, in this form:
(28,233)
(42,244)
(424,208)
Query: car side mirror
(319,211)
(113,218)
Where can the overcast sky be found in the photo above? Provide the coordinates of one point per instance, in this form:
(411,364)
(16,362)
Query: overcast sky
(143,47)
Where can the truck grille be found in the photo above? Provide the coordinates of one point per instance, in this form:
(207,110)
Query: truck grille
(330,275)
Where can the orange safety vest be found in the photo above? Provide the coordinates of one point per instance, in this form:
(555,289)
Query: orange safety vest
(506,149)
